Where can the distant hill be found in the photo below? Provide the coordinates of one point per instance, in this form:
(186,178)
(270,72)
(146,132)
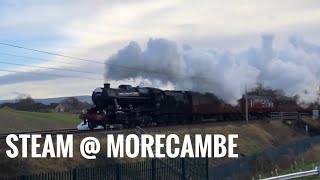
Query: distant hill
(48,101)
(60,99)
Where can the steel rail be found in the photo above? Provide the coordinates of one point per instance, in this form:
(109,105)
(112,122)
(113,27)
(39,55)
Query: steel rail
(50,131)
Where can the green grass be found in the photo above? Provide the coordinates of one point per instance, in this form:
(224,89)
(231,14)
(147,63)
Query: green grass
(297,168)
(253,138)
(13,121)
(311,122)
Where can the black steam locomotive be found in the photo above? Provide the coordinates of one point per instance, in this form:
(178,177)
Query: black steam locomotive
(132,106)
(143,106)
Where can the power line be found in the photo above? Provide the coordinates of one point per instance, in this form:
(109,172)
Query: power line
(106,63)
(55,75)
(61,69)
(33,58)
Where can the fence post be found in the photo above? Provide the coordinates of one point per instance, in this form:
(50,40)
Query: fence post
(74,174)
(207,167)
(118,176)
(183,168)
(154,169)
(23,177)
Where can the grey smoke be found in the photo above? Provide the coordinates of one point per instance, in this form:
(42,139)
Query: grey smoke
(295,68)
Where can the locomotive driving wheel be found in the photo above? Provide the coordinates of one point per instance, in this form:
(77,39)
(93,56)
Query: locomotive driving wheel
(104,124)
(92,124)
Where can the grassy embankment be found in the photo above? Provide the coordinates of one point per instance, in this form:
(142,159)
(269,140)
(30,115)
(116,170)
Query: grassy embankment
(14,121)
(291,164)
(17,121)
(313,124)
(253,138)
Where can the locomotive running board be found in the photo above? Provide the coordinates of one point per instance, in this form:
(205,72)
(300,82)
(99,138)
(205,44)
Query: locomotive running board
(114,126)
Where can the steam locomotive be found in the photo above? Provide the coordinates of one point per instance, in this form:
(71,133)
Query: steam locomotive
(143,106)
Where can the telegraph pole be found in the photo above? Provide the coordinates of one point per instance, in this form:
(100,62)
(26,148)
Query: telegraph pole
(247,115)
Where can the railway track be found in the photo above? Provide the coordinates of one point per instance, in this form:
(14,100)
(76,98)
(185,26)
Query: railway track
(50,131)
(125,130)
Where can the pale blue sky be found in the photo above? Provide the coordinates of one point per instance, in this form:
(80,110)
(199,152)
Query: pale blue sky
(97,29)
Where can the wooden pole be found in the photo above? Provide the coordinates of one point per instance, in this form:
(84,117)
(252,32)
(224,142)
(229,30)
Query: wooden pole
(247,113)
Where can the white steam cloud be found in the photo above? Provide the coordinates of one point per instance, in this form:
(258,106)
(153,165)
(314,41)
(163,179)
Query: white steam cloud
(294,69)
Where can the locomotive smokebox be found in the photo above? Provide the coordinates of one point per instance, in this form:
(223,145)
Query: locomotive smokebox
(106,85)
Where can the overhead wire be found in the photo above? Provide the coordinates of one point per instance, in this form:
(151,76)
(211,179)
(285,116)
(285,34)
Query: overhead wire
(55,75)
(53,68)
(33,58)
(62,69)
(106,63)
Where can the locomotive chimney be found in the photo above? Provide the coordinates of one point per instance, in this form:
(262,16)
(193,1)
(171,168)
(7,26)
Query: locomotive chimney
(106,85)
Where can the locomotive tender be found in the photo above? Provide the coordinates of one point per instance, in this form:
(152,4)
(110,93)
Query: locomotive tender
(132,106)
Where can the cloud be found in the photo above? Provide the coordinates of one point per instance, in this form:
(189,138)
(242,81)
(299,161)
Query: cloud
(33,74)
(293,69)
(96,29)
(23,77)
(50,88)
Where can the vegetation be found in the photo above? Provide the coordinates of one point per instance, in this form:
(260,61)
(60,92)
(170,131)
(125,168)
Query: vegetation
(260,90)
(313,123)
(26,166)
(253,138)
(13,120)
(24,104)
(29,104)
(291,164)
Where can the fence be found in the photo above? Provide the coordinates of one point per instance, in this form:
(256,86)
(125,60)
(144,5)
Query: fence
(247,165)
(313,172)
(139,131)
(283,116)
(155,169)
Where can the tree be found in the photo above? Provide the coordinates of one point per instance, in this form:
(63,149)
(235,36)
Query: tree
(73,103)
(28,104)
(260,90)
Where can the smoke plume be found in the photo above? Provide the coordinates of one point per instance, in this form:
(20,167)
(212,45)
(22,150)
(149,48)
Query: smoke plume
(294,69)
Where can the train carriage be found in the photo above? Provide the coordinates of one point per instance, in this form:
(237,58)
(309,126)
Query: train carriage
(258,106)
(206,106)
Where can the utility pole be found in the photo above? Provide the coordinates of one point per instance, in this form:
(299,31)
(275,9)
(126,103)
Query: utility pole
(247,115)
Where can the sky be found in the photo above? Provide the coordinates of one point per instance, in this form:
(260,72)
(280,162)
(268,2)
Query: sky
(96,30)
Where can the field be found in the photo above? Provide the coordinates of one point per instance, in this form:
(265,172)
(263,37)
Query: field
(13,121)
